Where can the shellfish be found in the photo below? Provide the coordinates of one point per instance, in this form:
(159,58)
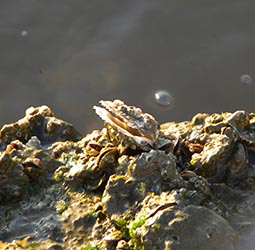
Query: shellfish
(129,124)
(129,127)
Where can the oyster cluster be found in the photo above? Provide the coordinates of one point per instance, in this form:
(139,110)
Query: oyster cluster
(134,184)
(218,147)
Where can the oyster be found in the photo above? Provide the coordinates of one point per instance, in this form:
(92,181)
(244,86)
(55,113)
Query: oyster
(197,181)
(128,125)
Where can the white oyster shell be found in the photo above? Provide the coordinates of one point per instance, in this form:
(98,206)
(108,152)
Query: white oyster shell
(129,121)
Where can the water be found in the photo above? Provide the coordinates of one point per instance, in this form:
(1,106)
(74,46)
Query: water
(69,55)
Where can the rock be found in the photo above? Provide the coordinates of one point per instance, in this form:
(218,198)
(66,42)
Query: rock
(13,181)
(157,170)
(192,227)
(39,122)
(131,185)
(20,166)
(121,194)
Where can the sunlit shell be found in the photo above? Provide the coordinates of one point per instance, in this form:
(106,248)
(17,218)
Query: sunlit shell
(129,121)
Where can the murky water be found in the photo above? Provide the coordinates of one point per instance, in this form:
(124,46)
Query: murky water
(71,54)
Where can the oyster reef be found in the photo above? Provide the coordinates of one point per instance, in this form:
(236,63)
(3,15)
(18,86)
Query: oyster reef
(134,184)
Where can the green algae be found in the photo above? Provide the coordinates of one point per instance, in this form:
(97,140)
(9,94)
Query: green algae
(133,225)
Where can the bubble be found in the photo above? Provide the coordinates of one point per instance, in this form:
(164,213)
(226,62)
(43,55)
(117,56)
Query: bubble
(163,98)
(24,33)
(246,79)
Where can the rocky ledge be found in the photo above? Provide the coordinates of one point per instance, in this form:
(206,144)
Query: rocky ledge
(134,184)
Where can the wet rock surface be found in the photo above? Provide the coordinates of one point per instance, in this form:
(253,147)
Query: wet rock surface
(132,185)
(170,228)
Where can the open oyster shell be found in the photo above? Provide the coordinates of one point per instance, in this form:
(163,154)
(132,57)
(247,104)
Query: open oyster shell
(129,121)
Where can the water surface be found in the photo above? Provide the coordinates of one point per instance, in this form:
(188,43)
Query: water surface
(70,54)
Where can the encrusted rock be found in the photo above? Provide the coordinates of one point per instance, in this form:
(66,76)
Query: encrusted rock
(193,227)
(39,122)
(157,170)
(131,185)
(13,180)
(121,194)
